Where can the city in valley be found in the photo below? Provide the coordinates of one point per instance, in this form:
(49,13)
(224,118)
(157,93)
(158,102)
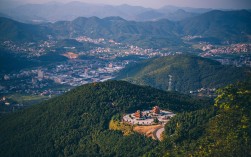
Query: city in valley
(99,60)
(78,67)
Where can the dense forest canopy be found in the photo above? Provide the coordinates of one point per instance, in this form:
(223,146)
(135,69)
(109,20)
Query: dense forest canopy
(221,130)
(76,123)
(188,73)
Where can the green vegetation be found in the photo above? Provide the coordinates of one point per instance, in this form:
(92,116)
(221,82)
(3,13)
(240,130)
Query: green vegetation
(158,34)
(79,46)
(10,62)
(18,102)
(188,73)
(77,123)
(222,130)
(27,99)
(219,26)
(116,124)
(16,31)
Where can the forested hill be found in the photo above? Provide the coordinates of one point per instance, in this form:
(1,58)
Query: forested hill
(76,123)
(219,25)
(221,131)
(188,73)
(16,31)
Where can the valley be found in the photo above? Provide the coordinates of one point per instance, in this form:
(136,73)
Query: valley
(70,56)
(82,79)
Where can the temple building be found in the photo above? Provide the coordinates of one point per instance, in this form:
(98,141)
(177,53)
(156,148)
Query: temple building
(148,117)
(138,114)
(156,110)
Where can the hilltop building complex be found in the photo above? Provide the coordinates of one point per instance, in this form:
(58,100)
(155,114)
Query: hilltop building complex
(147,117)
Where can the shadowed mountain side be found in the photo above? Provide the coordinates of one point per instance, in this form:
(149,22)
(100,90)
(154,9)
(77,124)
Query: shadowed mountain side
(16,31)
(227,26)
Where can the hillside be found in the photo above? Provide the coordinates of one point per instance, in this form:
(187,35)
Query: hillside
(16,31)
(214,26)
(223,26)
(10,62)
(220,131)
(76,123)
(188,73)
(147,34)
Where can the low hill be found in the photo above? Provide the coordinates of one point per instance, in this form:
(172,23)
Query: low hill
(10,62)
(76,123)
(188,73)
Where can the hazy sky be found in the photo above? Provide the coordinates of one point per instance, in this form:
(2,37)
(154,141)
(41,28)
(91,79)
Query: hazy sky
(224,4)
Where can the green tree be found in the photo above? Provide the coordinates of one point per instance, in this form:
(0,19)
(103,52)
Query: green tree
(229,133)
(156,120)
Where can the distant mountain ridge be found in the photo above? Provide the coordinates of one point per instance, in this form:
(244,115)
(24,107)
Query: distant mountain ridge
(223,25)
(119,29)
(146,34)
(55,11)
(215,26)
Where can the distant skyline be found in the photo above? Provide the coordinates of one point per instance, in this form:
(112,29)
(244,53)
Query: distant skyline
(215,4)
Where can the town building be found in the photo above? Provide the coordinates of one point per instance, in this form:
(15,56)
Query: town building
(6,77)
(40,74)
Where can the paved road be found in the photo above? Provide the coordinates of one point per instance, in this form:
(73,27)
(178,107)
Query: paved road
(157,133)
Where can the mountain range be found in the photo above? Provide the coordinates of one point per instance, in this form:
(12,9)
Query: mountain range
(55,11)
(215,26)
(189,73)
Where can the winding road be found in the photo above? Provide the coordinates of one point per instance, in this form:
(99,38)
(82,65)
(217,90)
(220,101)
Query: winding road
(157,133)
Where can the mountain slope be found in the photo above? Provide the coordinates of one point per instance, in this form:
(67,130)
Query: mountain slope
(16,31)
(149,34)
(188,73)
(76,123)
(146,34)
(220,131)
(215,26)
(227,26)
